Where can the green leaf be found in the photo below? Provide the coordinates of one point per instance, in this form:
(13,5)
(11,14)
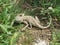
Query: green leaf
(14,38)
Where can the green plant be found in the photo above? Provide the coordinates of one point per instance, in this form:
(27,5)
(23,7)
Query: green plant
(7,15)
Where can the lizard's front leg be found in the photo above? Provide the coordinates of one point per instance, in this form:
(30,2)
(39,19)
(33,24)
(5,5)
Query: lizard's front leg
(30,26)
(25,26)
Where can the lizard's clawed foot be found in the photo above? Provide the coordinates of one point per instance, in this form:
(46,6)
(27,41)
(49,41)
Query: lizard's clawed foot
(23,30)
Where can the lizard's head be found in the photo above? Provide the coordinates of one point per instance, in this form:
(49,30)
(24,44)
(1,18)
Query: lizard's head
(19,17)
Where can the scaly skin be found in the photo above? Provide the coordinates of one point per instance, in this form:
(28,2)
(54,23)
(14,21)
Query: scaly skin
(32,21)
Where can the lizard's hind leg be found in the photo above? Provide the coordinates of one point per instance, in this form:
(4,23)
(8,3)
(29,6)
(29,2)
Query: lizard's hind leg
(37,19)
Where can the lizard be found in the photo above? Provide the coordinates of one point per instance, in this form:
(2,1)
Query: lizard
(31,20)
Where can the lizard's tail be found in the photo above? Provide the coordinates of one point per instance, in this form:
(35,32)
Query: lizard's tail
(40,26)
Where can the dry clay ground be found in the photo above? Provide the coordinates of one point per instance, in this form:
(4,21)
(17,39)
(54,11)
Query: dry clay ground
(31,35)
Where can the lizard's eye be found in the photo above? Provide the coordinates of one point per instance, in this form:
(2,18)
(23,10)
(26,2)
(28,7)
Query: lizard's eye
(20,15)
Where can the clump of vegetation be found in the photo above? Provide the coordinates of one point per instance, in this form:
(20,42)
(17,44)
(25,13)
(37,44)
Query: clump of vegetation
(7,31)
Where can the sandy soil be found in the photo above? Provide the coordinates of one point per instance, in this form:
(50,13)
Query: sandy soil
(31,35)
